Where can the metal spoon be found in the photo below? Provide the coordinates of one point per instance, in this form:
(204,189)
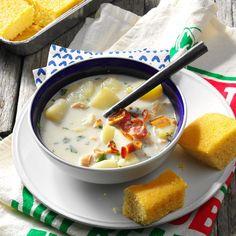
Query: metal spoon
(188,57)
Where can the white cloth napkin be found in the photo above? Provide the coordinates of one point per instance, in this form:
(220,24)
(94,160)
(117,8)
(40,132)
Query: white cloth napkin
(100,33)
(175,25)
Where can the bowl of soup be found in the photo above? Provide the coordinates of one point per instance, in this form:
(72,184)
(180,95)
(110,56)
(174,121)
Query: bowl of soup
(66,119)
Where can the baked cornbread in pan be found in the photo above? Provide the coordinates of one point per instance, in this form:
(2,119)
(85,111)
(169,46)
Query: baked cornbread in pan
(35,37)
(27,33)
(15,17)
(48,10)
(20,20)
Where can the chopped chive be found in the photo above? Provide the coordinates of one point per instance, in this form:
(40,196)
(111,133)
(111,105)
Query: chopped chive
(63,91)
(53,99)
(102,158)
(73,149)
(100,126)
(65,128)
(66,140)
(80,137)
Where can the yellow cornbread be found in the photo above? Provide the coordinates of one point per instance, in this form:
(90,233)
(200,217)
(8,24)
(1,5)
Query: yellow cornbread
(15,17)
(211,139)
(29,32)
(149,202)
(48,10)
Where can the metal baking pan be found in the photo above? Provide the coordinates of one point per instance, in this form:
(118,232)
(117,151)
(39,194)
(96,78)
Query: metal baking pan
(54,29)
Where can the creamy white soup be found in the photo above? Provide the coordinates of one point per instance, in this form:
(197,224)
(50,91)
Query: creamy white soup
(72,125)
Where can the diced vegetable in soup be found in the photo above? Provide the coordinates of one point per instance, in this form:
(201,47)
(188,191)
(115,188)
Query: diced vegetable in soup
(73,127)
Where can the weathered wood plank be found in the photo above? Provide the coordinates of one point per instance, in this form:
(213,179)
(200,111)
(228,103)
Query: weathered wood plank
(232,207)
(226,11)
(226,221)
(214,230)
(10,72)
(135,6)
(149,4)
(27,86)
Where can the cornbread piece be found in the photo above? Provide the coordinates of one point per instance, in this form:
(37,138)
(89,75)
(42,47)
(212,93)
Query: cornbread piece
(211,139)
(146,203)
(29,32)
(48,10)
(15,17)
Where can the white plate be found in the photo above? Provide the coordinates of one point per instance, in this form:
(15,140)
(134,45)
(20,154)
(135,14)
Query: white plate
(94,204)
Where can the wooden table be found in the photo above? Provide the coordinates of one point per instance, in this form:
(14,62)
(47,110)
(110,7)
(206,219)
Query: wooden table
(16,86)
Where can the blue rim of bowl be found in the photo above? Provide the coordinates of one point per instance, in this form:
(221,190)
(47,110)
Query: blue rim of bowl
(72,70)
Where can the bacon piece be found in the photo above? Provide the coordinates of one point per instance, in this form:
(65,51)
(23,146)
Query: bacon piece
(130,147)
(123,152)
(132,128)
(126,126)
(121,116)
(112,148)
(139,131)
(127,135)
(135,128)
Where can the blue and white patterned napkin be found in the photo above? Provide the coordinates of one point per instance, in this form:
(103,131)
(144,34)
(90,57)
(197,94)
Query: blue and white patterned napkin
(59,58)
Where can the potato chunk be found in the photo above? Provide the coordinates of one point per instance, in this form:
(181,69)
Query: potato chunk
(107,133)
(166,132)
(153,94)
(129,160)
(89,120)
(84,92)
(165,126)
(104,99)
(112,84)
(57,111)
(105,164)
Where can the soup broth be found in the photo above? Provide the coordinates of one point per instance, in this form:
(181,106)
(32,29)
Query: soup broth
(73,128)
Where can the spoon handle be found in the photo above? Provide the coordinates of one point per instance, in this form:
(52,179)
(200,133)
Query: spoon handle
(188,57)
